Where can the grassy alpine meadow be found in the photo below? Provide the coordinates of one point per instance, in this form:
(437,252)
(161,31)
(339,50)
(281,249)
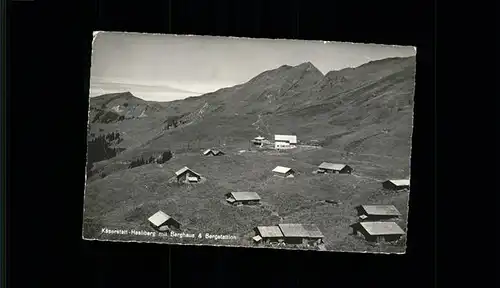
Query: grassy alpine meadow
(126,199)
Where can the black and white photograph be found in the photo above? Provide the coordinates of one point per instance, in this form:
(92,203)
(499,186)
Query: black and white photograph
(258,143)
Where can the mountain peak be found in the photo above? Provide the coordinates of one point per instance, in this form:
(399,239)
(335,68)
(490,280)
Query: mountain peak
(118,97)
(305,69)
(308,66)
(305,65)
(127,94)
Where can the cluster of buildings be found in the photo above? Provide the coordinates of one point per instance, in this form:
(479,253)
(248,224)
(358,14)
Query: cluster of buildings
(188,176)
(375,222)
(289,234)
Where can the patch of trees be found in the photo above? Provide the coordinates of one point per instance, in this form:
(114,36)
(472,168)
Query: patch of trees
(107,117)
(174,121)
(159,158)
(102,148)
(113,136)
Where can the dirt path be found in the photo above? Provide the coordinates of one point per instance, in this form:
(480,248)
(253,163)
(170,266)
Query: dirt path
(259,124)
(197,115)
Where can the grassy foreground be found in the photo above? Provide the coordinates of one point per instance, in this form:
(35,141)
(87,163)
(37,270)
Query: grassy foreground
(124,200)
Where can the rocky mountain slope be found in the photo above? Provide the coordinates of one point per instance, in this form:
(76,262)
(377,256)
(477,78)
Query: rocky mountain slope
(362,110)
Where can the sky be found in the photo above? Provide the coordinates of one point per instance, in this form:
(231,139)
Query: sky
(168,67)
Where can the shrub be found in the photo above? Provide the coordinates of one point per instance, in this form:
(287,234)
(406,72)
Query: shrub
(100,148)
(137,163)
(165,157)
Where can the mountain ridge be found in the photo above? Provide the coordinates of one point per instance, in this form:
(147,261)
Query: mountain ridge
(282,68)
(370,106)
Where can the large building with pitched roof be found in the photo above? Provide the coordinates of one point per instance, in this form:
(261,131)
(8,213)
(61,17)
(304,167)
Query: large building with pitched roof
(285,141)
(327,167)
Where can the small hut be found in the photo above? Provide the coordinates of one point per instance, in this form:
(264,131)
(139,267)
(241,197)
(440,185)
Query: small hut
(247,198)
(396,184)
(290,139)
(187,175)
(160,220)
(326,167)
(378,231)
(377,212)
(283,172)
(285,142)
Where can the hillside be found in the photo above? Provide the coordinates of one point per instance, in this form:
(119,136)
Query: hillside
(361,116)
(363,110)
